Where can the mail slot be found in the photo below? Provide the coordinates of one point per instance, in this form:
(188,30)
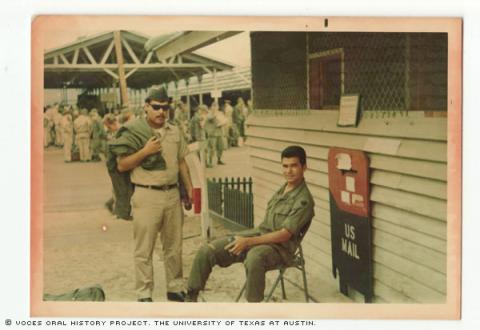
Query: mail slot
(350,220)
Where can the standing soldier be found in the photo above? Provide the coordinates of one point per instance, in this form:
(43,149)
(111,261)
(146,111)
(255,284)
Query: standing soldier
(83,128)
(66,127)
(125,116)
(232,135)
(152,152)
(197,124)
(121,209)
(57,117)
(181,119)
(239,117)
(47,126)
(197,127)
(51,125)
(98,134)
(214,129)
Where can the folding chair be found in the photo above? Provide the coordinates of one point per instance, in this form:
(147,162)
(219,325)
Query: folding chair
(298,262)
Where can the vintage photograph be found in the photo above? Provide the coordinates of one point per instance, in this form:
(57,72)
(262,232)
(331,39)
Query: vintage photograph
(309,162)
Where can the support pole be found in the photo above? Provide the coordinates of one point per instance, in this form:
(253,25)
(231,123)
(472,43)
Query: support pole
(121,69)
(115,94)
(187,83)
(215,84)
(200,93)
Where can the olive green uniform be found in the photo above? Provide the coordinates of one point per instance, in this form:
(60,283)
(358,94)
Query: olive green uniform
(98,136)
(198,132)
(159,211)
(181,120)
(238,118)
(291,211)
(215,137)
(83,128)
(66,126)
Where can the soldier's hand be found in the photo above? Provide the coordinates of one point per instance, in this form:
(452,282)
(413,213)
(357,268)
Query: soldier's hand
(239,245)
(152,146)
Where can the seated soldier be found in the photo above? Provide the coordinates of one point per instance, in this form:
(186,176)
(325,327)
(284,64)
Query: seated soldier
(268,246)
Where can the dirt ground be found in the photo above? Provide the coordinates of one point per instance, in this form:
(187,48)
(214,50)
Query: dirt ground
(85,245)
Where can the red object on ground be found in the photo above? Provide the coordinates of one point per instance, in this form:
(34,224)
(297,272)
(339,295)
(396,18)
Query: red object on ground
(197,200)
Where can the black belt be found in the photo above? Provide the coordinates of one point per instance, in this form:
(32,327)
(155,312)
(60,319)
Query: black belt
(164,187)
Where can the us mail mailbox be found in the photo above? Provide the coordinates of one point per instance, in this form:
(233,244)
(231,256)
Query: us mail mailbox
(351,230)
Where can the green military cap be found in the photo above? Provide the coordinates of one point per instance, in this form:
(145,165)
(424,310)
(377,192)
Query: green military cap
(158,94)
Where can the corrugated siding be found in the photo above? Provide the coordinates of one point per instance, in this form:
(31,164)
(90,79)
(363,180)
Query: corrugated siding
(408,158)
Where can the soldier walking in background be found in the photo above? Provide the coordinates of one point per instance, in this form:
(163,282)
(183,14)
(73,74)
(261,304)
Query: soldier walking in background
(214,129)
(239,118)
(197,127)
(66,127)
(57,117)
(125,116)
(121,210)
(231,132)
(83,129)
(98,135)
(181,119)
(197,124)
(47,127)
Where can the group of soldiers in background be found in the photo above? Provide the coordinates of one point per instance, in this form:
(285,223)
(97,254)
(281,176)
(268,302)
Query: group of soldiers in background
(84,134)
(217,129)
(81,133)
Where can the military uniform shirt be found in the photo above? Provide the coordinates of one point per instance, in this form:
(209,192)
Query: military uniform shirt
(174,149)
(290,211)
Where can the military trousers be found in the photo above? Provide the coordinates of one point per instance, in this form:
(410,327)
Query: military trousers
(257,261)
(154,212)
(67,147)
(47,138)
(83,147)
(58,136)
(215,144)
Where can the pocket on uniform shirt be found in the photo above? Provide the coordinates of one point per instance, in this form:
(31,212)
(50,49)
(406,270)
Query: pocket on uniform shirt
(172,138)
(280,214)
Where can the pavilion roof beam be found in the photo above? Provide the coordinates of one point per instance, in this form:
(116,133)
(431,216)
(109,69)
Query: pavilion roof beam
(135,37)
(189,41)
(89,55)
(148,58)
(79,44)
(207,61)
(75,56)
(64,59)
(107,53)
(110,72)
(96,67)
(130,73)
(130,50)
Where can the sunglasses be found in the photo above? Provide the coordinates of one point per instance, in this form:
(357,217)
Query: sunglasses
(164,107)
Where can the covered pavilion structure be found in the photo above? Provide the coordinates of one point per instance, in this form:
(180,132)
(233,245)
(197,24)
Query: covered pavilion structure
(119,66)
